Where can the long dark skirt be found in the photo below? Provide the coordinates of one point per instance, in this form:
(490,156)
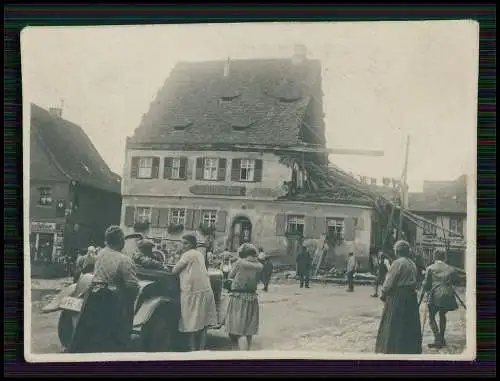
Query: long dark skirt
(105,323)
(399,331)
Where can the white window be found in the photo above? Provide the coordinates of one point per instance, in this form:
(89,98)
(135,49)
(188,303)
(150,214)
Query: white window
(145,168)
(336,227)
(209,217)
(247,170)
(210,169)
(176,168)
(177,216)
(45,196)
(295,225)
(143,214)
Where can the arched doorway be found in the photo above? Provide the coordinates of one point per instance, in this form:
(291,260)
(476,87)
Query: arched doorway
(241,232)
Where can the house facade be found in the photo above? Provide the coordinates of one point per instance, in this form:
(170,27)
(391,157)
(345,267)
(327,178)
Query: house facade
(223,149)
(444,204)
(74,196)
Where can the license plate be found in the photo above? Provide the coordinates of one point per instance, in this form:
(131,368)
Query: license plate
(71,304)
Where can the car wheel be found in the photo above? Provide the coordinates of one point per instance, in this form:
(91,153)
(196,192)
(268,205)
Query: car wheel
(158,333)
(65,328)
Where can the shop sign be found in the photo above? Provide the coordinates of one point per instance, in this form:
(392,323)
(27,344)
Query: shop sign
(43,227)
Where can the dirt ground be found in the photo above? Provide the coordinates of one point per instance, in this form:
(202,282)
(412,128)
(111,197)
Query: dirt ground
(322,318)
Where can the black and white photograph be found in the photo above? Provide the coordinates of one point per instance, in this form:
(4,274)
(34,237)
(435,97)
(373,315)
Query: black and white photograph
(252,190)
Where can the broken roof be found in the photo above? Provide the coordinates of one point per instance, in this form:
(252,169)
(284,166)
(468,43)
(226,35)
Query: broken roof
(259,101)
(71,151)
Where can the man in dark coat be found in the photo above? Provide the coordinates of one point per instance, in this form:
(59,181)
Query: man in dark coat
(147,258)
(383,264)
(304,261)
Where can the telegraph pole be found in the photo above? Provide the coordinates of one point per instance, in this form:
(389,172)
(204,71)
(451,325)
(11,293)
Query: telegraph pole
(404,189)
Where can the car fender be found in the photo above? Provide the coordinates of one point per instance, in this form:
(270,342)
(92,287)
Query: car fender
(147,309)
(53,306)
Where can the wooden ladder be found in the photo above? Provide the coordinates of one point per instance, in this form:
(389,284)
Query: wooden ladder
(318,255)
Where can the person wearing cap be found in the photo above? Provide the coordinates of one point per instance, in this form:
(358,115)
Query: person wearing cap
(438,284)
(84,262)
(147,258)
(399,330)
(106,318)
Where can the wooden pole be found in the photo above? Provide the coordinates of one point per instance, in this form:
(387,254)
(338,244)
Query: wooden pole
(404,189)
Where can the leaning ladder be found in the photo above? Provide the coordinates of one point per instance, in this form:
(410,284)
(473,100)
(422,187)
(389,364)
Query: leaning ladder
(318,256)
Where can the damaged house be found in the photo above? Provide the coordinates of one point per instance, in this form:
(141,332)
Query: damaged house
(236,149)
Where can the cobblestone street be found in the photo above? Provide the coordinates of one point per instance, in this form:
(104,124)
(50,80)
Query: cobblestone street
(322,318)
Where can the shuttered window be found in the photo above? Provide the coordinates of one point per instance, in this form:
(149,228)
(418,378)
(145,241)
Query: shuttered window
(209,217)
(210,169)
(295,225)
(246,170)
(335,227)
(143,214)
(145,167)
(175,168)
(177,216)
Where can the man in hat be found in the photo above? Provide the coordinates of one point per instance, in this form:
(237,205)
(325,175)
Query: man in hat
(145,257)
(304,262)
(132,240)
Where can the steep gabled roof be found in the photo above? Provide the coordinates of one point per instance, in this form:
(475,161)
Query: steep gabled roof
(258,102)
(71,151)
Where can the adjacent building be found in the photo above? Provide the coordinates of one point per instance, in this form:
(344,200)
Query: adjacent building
(443,203)
(236,149)
(74,196)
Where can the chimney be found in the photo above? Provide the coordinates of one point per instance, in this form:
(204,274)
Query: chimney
(227,67)
(56,111)
(299,54)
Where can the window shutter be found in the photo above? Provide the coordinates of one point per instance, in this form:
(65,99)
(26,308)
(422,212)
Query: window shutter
(221,175)
(319,227)
(280,225)
(155,217)
(235,170)
(189,169)
(359,223)
(167,169)
(196,219)
(183,168)
(129,216)
(189,219)
(258,171)
(220,224)
(163,218)
(199,168)
(309,227)
(134,170)
(349,229)
(155,171)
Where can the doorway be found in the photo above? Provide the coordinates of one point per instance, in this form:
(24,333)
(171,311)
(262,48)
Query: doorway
(241,232)
(41,247)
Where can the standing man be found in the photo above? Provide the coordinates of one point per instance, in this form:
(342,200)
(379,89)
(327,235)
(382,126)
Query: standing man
(352,268)
(438,284)
(383,264)
(132,240)
(267,270)
(303,265)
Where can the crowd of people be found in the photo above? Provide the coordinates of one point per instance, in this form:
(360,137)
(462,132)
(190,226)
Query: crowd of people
(106,320)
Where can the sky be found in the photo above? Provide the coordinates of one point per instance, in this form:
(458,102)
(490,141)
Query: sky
(382,82)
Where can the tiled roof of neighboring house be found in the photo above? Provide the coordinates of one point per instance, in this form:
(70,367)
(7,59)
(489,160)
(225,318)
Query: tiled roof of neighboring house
(71,151)
(443,197)
(261,101)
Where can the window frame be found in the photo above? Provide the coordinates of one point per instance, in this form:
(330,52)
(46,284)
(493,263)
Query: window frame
(136,213)
(176,170)
(299,221)
(250,166)
(171,216)
(459,224)
(215,170)
(139,167)
(338,222)
(429,229)
(213,214)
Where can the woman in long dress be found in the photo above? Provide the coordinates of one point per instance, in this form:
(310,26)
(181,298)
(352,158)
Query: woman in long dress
(438,284)
(198,310)
(106,318)
(399,331)
(242,317)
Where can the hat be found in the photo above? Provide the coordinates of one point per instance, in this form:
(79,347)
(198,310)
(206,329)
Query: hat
(145,244)
(91,248)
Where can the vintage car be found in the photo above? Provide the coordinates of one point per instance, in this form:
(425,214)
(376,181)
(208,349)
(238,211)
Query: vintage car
(156,310)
